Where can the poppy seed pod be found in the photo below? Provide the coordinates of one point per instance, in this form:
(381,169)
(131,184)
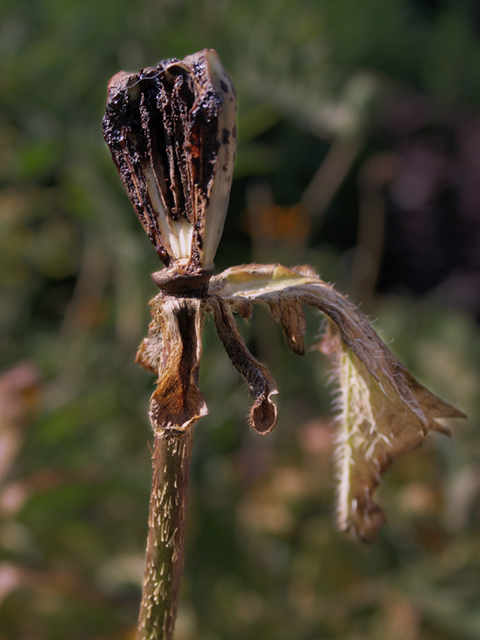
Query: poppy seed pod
(171,132)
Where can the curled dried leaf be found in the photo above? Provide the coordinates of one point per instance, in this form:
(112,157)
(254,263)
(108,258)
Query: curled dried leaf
(385,412)
(173,350)
(263,414)
(292,319)
(376,425)
(266,284)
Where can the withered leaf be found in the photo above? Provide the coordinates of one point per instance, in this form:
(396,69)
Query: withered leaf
(385,412)
(263,414)
(376,425)
(173,350)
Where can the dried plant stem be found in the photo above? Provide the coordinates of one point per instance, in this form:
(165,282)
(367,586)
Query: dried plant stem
(171,131)
(166,534)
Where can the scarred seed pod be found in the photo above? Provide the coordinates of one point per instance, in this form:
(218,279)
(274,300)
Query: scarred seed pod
(171,132)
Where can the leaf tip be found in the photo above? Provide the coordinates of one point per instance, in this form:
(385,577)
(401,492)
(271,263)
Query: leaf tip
(263,415)
(363,522)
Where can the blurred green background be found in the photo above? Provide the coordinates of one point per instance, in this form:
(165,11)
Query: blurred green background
(359,153)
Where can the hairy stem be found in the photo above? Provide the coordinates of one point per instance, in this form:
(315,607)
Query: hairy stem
(166,534)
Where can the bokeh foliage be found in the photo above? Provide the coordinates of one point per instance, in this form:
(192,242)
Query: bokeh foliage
(357,154)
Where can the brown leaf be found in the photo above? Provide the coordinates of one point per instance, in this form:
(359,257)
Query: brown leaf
(290,314)
(173,350)
(376,426)
(258,283)
(263,415)
(385,412)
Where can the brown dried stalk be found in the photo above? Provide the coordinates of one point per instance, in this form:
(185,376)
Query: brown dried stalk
(171,132)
